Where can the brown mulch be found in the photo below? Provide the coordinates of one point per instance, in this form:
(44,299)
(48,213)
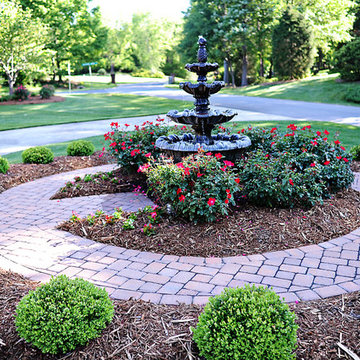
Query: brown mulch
(34,100)
(20,173)
(141,330)
(248,230)
(117,181)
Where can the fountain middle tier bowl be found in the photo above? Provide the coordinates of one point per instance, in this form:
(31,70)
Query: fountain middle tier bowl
(231,146)
(191,117)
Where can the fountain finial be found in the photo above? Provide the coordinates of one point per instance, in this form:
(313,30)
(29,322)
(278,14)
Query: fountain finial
(202,54)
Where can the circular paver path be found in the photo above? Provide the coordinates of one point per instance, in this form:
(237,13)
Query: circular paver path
(30,245)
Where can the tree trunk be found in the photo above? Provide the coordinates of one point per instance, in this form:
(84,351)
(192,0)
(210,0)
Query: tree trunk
(270,70)
(112,73)
(11,85)
(58,70)
(262,73)
(232,73)
(244,66)
(321,58)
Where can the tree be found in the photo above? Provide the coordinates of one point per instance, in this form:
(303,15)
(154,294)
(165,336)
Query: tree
(22,41)
(347,60)
(292,50)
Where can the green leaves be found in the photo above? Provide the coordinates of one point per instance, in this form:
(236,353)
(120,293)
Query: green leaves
(63,314)
(246,323)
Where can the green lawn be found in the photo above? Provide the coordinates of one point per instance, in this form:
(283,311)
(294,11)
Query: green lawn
(322,89)
(85,107)
(349,135)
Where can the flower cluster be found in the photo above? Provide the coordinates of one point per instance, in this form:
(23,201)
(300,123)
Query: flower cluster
(200,188)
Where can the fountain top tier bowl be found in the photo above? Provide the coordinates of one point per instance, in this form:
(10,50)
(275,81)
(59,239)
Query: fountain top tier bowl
(202,118)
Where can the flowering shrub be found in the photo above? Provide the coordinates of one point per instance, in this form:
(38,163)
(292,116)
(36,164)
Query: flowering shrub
(246,323)
(300,166)
(21,93)
(4,165)
(261,138)
(200,188)
(133,149)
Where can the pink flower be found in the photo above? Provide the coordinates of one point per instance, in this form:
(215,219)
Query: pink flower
(228,163)
(148,155)
(180,165)
(312,164)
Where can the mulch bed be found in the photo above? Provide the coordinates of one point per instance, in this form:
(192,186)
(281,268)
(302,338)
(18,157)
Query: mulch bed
(248,230)
(20,173)
(141,330)
(34,100)
(118,181)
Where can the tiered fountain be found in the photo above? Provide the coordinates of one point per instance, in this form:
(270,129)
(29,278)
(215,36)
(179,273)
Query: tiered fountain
(202,119)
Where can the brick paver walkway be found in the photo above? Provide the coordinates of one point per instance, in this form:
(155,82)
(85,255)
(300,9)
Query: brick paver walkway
(30,244)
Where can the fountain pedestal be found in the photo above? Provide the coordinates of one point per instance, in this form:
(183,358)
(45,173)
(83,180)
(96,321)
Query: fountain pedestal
(202,119)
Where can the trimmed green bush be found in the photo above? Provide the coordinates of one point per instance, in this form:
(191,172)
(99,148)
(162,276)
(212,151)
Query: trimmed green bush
(47,91)
(352,95)
(355,152)
(63,314)
(246,323)
(101,72)
(80,148)
(4,165)
(37,155)
(347,60)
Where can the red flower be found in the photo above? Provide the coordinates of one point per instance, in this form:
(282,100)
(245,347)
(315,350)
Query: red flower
(272,143)
(199,175)
(336,142)
(180,165)
(325,139)
(242,130)
(186,171)
(148,154)
(267,155)
(312,164)
(318,133)
(183,128)
(208,154)
(127,125)
(182,198)
(291,182)
(273,130)
(229,196)
(345,159)
(308,126)
(218,156)
(226,201)
(342,148)
(237,180)
(327,162)
(228,163)
(178,191)
(326,132)
(211,201)
(339,157)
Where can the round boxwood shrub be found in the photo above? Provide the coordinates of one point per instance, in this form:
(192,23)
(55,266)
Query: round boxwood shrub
(246,323)
(63,314)
(4,165)
(37,155)
(355,152)
(80,148)
(352,95)
(47,91)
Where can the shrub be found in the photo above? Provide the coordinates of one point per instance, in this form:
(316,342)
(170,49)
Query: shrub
(21,93)
(4,165)
(200,188)
(37,155)
(347,60)
(80,148)
(101,72)
(133,149)
(47,91)
(298,167)
(352,95)
(5,98)
(63,314)
(147,73)
(246,323)
(355,152)
(292,48)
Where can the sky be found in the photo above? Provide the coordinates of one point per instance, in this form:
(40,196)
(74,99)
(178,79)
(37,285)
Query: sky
(114,11)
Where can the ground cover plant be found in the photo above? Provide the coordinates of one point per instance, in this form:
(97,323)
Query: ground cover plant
(142,330)
(84,107)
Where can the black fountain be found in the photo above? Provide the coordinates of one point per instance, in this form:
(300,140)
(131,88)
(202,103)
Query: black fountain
(202,118)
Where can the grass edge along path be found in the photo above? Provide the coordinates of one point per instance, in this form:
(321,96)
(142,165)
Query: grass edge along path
(348,135)
(85,107)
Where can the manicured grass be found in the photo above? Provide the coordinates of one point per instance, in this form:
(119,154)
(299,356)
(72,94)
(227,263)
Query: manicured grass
(59,149)
(322,89)
(85,107)
(349,135)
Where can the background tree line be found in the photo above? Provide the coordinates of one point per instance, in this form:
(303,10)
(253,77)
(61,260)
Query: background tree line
(258,39)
